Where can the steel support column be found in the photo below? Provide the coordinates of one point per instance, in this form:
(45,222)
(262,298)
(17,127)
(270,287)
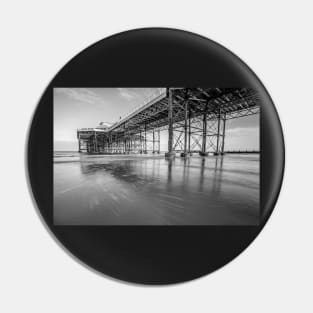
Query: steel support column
(170,152)
(110,143)
(140,141)
(189,132)
(217,151)
(204,134)
(145,151)
(95,143)
(153,142)
(79,144)
(223,135)
(185,153)
(159,142)
(130,144)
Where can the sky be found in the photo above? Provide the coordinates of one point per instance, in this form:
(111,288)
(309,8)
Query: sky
(86,107)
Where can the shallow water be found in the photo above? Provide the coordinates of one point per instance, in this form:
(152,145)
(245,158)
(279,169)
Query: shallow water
(147,190)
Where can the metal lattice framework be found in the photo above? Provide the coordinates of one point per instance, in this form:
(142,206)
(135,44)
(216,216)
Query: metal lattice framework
(194,117)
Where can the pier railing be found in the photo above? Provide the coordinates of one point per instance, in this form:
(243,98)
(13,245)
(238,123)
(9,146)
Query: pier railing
(152,98)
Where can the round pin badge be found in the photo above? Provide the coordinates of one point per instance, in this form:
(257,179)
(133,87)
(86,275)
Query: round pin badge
(155,156)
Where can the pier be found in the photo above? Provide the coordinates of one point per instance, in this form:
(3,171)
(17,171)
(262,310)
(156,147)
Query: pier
(195,119)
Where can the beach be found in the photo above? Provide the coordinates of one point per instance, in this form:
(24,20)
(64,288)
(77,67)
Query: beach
(151,190)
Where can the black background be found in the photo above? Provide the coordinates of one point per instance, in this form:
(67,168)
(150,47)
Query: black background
(154,58)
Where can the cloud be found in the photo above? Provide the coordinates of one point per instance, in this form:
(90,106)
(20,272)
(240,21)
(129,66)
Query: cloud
(241,131)
(139,93)
(127,93)
(84,95)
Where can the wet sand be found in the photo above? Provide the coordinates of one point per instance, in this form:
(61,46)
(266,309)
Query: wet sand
(150,190)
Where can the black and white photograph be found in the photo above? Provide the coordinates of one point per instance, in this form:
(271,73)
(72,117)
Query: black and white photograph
(156,156)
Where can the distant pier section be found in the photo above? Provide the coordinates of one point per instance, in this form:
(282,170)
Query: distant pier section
(195,119)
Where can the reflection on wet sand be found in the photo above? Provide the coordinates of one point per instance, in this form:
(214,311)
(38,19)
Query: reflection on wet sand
(210,190)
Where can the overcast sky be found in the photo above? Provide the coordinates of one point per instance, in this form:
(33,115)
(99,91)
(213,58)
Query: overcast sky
(87,107)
